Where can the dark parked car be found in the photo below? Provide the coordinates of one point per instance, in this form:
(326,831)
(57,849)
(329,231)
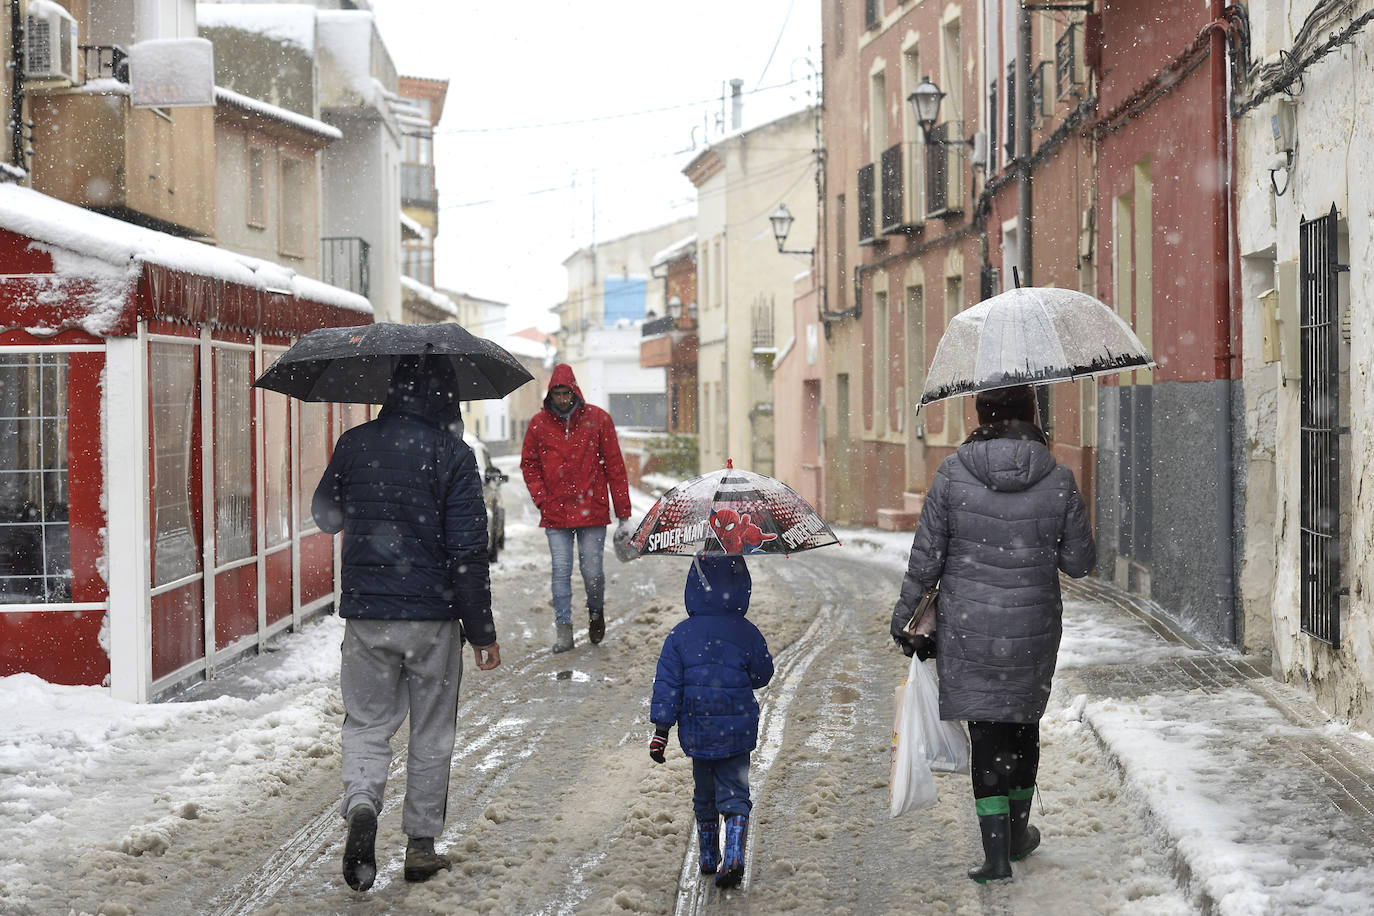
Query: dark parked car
(492,478)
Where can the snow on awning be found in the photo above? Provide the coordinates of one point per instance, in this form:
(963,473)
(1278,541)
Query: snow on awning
(278,114)
(674,251)
(412,287)
(62,267)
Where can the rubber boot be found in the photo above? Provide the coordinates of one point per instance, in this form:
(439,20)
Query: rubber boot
(1025,837)
(360,858)
(732,864)
(564,640)
(596,626)
(708,832)
(994,823)
(422,862)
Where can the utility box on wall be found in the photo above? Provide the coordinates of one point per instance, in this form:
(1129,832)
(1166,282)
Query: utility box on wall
(1288,317)
(1269,325)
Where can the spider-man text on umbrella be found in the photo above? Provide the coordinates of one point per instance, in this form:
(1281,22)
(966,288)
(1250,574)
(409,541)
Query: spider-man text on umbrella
(730,511)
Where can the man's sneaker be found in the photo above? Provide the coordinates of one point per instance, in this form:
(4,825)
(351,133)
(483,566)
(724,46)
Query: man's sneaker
(596,628)
(422,862)
(359,858)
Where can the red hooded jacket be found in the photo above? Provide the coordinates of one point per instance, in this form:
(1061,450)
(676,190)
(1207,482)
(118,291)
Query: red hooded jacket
(570,464)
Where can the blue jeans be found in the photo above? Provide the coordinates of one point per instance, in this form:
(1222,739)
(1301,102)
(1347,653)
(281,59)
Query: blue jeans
(591,546)
(720,787)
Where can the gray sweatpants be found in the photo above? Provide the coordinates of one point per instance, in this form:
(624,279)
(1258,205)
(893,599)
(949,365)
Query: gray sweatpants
(391,668)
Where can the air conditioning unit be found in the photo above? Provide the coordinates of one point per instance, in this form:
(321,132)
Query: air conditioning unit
(50,43)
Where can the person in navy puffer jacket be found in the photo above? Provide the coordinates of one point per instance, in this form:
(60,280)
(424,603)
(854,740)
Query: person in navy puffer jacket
(404,490)
(709,668)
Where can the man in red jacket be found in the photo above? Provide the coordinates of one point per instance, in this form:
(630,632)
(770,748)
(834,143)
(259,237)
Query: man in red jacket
(571,458)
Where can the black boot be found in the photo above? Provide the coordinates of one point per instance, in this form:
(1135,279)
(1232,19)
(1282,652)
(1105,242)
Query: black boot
(996,831)
(1024,837)
(359,858)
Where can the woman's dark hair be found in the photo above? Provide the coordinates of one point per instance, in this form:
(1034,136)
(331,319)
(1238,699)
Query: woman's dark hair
(1015,403)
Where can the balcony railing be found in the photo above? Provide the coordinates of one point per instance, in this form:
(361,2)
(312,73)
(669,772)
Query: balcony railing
(417,186)
(763,327)
(893,214)
(345,262)
(105,62)
(866,205)
(656,326)
(943,186)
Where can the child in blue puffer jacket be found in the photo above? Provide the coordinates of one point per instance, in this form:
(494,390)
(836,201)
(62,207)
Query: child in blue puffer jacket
(709,668)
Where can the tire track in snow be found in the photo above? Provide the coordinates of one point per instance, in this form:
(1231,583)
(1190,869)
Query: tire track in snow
(303,850)
(697,893)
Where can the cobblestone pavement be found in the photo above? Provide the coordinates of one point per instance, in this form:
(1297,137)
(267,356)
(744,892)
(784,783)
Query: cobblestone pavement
(1292,789)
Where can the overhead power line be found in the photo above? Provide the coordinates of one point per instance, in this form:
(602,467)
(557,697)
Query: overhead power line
(610,117)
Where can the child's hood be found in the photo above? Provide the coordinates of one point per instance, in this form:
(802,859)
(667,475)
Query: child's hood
(717,585)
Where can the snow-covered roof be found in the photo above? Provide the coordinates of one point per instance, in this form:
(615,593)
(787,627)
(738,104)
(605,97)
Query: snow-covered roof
(106,257)
(429,294)
(277,113)
(346,37)
(414,227)
(674,251)
(288,23)
(523,346)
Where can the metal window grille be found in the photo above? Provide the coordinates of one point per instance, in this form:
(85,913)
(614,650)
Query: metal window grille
(866,203)
(1066,74)
(992,127)
(1319,329)
(892,187)
(1011,111)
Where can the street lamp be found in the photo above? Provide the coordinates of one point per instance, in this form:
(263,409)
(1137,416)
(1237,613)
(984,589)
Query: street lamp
(675,308)
(925,102)
(782,224)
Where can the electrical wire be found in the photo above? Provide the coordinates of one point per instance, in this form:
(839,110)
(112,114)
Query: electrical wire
(611,117)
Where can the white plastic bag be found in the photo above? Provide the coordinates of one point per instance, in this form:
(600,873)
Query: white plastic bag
(910,784)
(946,745)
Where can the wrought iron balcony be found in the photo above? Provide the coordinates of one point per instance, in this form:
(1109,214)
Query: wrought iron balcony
(345,262)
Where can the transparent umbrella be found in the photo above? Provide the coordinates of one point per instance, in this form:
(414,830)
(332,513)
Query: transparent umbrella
(1028,336)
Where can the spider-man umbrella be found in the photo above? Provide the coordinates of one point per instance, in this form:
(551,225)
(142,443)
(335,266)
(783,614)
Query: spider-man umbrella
(730,512)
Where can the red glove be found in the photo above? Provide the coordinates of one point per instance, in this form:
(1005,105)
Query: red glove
(658,744)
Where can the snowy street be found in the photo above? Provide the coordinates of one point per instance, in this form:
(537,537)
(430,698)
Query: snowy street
(228,802)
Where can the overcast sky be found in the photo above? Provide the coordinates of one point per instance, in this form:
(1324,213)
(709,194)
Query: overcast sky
(569,122)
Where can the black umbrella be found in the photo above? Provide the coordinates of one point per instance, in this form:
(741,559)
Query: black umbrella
(355,364)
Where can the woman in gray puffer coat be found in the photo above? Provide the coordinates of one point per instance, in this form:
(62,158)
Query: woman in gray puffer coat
(1001,520)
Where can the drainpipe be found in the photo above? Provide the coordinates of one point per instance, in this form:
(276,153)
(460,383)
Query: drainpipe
(17,158)
(1023,145)
(1223,293)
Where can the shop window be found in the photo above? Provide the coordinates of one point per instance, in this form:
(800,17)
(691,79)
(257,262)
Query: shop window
(35,557)
(233,456)
(276,437)
(173,382)
(315,441)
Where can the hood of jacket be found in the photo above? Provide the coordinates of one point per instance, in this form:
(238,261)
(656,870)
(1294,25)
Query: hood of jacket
(1007,464)
(425,386)
(563,375)
(717,585)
